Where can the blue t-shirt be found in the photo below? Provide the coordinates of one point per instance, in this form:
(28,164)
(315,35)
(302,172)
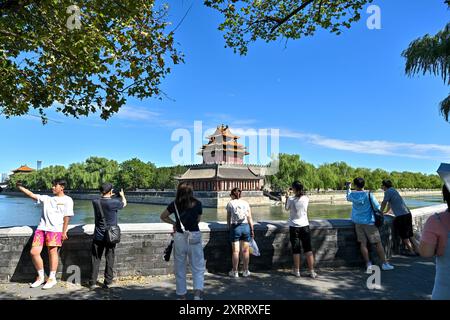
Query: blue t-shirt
(110,207)
(396,202)
(362,212)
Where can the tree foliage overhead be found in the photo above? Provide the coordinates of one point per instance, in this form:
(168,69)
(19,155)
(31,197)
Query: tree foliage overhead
(431,54)
(246,21)
(122,48)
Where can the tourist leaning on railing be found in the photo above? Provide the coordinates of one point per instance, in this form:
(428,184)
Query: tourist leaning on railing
(299,232)
(403,217)
(240,225)
(435,241)
(187,239)
(363,218)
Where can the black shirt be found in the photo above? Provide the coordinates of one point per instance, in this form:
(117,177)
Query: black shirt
(189,216)
(110,207)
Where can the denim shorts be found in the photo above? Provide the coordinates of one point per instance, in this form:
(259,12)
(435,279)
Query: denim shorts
(240,232)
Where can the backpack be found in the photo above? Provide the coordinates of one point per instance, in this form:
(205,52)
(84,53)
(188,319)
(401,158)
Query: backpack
(240,212)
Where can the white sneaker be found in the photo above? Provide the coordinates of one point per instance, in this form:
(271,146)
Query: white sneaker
(296,273)
(369,269)
(37,283)
(49,284)
(386,266)
(233,274)
(246,274)
(313,274)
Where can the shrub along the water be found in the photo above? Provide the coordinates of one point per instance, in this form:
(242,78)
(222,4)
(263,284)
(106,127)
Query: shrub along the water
(135,174)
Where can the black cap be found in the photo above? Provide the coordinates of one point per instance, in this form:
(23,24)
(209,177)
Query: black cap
(106,187)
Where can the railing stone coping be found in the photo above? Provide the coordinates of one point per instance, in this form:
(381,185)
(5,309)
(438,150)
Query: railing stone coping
(269,226)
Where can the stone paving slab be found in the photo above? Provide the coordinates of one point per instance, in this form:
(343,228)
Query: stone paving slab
(412,279)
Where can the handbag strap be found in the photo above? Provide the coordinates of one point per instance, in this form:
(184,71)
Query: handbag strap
(99,204)
(178,216)
(371,204)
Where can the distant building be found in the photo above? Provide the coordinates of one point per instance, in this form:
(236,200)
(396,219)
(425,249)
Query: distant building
(223,166)
(23,169)
(4,177)
(223,148)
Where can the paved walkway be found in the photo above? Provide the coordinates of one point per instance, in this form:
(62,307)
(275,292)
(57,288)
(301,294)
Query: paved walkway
(412,278)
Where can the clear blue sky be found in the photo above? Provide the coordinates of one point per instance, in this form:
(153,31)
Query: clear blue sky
(333,98)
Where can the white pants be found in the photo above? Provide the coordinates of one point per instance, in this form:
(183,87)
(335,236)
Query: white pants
(183,250)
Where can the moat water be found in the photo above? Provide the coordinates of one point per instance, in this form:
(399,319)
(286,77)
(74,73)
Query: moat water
(20,211)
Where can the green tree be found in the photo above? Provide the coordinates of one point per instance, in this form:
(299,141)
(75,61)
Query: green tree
(246,21)
(164,177)
(122,48)
(375,179)
(343,173)
(328,177)
(291,168)
(431,54)
(135,174)
(125,48)
(77,177)
(101,170)
(28,180)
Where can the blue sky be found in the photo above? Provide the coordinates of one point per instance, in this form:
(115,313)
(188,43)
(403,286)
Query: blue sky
(332,98)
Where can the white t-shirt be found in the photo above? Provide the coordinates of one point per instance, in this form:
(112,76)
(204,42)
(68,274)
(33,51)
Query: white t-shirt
(54,209)
(239,210)
(298,211)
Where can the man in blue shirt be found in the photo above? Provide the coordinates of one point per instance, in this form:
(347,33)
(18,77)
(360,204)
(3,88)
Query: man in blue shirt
(403,218)
(362,217)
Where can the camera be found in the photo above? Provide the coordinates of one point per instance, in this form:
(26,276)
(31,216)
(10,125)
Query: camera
(116,192)
(168,251)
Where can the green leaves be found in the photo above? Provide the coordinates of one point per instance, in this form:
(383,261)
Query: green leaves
(119,51)
(431,54)
(246,21)
(88,175)
(333,176)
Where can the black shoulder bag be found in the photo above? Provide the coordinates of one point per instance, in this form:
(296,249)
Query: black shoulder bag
(379,216)
(112,233)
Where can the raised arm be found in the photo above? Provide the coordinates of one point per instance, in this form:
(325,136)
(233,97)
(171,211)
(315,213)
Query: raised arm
(26,191)
(286,201)
(348,187)
(122,196)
